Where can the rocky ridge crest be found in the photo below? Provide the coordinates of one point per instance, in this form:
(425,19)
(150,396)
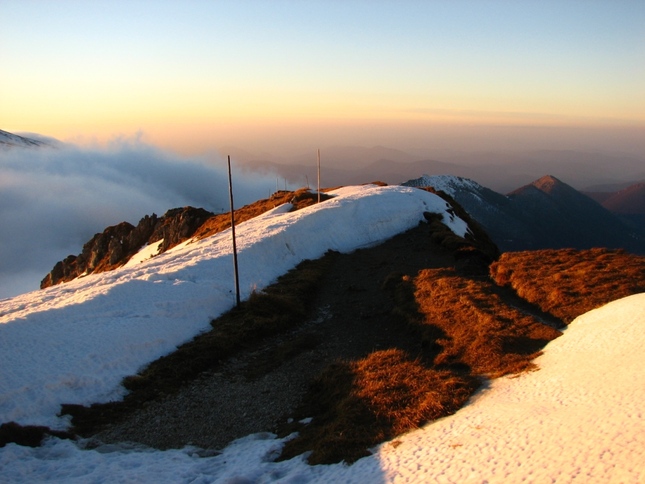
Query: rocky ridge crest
(117,244)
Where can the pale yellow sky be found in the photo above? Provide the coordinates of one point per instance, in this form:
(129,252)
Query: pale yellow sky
(200,75)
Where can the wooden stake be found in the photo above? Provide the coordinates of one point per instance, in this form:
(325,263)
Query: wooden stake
(318,175)
(235,271)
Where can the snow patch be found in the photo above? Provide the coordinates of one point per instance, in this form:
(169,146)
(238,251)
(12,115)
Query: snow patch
(146,252)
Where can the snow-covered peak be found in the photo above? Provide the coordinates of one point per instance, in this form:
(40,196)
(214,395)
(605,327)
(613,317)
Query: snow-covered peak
(446,183)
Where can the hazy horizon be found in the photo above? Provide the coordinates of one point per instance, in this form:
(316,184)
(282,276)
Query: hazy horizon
(285,77)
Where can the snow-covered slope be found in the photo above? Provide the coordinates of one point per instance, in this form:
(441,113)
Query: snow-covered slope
(9,140)
(73,343)
(452,185)
(578,419)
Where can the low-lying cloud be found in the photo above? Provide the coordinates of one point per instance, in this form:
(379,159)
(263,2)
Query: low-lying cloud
(54,200)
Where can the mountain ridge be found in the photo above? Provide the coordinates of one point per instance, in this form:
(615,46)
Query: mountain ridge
(10,140)
(629,200)
(442,302)
(503,171)
(546,213)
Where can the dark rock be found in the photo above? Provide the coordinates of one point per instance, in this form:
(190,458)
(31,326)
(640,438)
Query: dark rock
(118,243)
(27,435)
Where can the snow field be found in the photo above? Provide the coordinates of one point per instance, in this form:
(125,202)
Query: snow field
(574,420)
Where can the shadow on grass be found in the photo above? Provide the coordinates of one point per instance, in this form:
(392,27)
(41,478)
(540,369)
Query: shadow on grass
(357,405)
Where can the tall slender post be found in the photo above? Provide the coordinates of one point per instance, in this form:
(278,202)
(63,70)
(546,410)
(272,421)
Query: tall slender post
(235,271)
(318,175)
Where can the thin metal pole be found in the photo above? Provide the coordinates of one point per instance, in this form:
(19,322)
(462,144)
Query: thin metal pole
(235,271)
(318,175)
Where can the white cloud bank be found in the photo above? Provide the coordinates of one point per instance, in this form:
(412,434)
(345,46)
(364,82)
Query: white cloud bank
(54,200)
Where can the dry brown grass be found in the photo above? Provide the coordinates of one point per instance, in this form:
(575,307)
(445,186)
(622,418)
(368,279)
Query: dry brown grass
(363,403)
(404,392)
(300,198)
(466,324)
(568,282)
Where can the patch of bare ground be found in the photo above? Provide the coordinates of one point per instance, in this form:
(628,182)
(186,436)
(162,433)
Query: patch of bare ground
(568,282)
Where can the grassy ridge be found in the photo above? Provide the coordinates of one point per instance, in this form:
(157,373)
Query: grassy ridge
(468,332)
(568,282)
(466,323)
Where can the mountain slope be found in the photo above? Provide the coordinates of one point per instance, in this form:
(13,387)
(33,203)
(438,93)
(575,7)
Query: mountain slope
(580,414)
(629,201)
(567,218)
(544,214)
(575,402)
(9,140)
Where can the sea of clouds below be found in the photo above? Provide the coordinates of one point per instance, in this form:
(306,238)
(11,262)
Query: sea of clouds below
(53,200)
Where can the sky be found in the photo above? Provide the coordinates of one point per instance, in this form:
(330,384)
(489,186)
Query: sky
(287,76)
(72,343)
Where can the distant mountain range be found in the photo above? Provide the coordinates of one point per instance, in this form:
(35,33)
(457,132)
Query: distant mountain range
(628,203)
(501,171)
(546,213)
(631,200)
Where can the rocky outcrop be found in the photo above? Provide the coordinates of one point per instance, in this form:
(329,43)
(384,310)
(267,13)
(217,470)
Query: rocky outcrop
(118,243)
